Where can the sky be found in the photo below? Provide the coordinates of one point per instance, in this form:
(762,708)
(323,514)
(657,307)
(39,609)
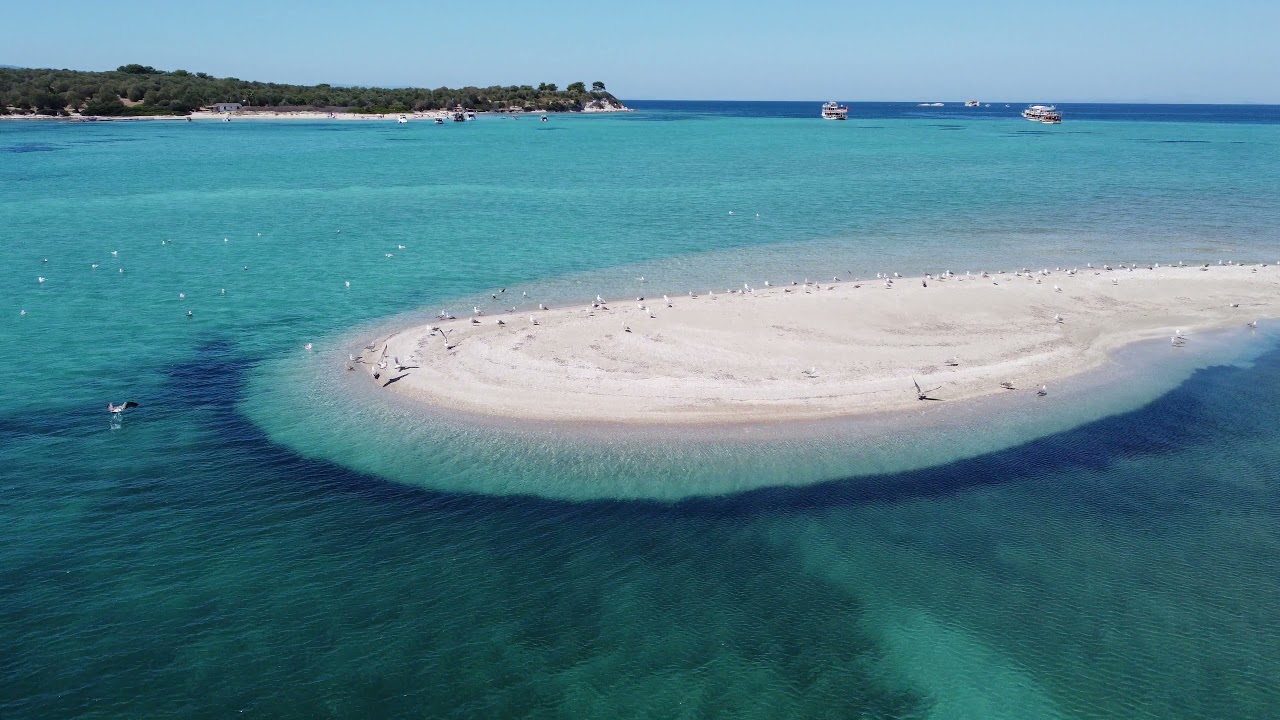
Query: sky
(1182,51)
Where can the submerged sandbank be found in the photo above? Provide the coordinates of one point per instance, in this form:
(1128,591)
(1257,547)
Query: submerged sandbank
(784,352)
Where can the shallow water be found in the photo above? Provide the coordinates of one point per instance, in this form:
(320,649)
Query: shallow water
(239,544)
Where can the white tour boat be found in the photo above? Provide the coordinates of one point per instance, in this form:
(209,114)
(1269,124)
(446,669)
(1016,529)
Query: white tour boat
(835,111)
(1037,113)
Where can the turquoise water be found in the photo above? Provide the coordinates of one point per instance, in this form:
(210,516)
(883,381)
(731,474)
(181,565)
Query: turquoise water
(244,543)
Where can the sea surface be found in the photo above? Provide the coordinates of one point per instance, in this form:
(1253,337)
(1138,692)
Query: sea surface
(260,539)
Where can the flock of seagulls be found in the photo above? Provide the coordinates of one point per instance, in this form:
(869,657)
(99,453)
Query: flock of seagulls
(887,278)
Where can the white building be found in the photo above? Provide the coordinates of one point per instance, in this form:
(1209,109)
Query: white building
(226,107)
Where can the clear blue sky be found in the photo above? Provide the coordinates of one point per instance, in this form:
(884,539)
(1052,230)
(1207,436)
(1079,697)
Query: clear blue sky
(1052,50)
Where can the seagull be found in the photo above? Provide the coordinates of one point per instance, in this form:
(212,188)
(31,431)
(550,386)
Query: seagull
(1044,390)
(390,255)
(626,328)
(224,291)
(953,361)
(500,322)
(24,312)
(922,394)
(400,247)
(39,279)
(94,266)
(307,346)
(189,313)
(666,300)
(541,306)
(1057,319)
(1057,289)
(119,409)
(348,283)
(121,269)
(114,253)
(45,261)
(533,320)
(182,296)
(1253,325)
(1007,386)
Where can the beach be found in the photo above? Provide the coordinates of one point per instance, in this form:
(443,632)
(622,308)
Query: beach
(311,115)
(802,349)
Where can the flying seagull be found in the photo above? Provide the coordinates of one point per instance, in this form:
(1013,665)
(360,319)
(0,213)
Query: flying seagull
(118,409)
(923,394)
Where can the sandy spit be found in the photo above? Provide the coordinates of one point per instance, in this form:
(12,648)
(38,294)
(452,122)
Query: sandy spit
(830,349)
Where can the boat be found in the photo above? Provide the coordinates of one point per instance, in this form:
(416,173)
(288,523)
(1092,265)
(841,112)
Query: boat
(972,103)
(1052,118)
(835,111)
(459,115)
(471,114)
(1037,113)
(439,121)
(402,120)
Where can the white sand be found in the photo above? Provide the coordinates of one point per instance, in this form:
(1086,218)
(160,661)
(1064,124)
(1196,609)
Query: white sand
(836,350)
(312,115)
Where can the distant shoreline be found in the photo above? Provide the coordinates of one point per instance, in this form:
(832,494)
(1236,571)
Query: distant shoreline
(259,115)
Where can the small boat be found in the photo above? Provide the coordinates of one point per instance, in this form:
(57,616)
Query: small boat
(1052,118)
(835,111)
(934,104)
(1037,113)
(972,103)
(439,121)
(471,114)
(459,115)
(544,118)
(402,120)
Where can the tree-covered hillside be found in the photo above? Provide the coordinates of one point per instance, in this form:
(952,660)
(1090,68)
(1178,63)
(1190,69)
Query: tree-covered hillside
(143,90)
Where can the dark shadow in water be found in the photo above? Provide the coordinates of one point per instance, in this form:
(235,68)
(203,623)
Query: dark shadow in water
(1190,415)
(30,148)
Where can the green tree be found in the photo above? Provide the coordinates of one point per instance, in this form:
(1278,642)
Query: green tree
(597,86)
(136,69)
(576,88)
(104,103)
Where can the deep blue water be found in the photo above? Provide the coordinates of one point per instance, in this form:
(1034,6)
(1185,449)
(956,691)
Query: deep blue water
(990,110)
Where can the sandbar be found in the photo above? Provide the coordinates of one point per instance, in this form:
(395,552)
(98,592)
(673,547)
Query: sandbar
(757,353)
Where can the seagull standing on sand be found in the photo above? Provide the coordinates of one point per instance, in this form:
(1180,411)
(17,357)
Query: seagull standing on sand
(533,320)
(1044,390)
